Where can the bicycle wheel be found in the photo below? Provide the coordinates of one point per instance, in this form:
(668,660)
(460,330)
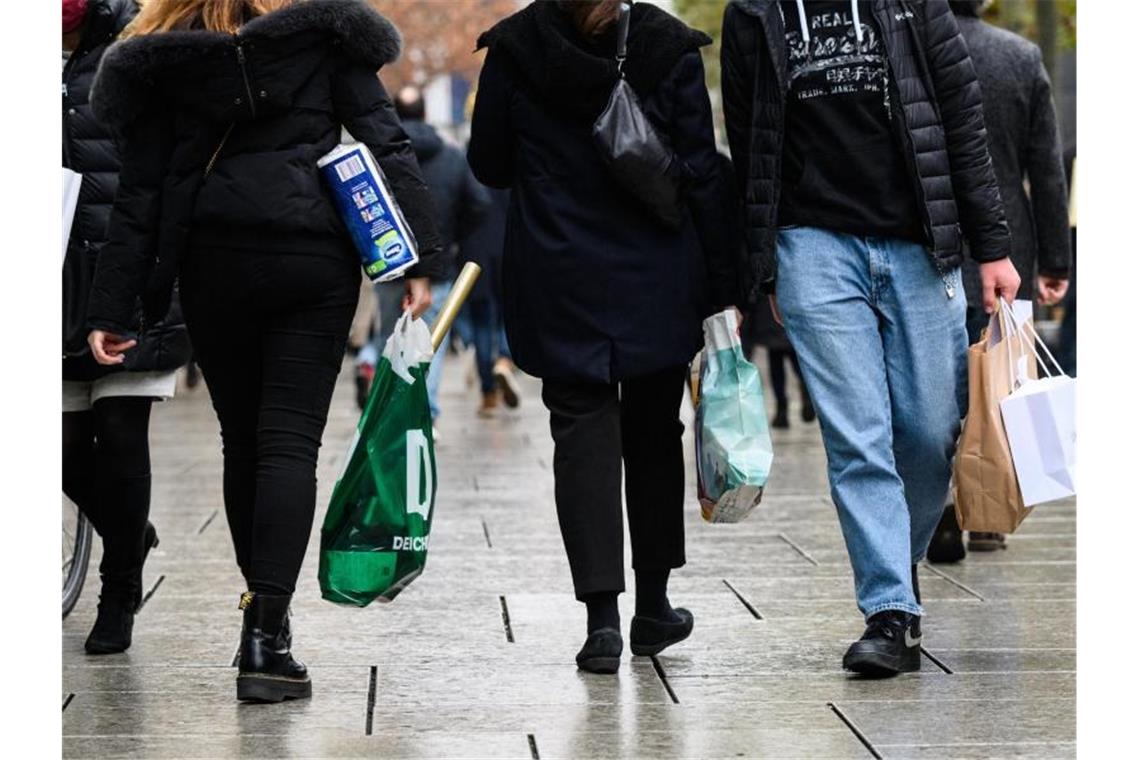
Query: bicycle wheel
(77,535)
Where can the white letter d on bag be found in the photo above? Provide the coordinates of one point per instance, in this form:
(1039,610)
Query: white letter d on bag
(419,465)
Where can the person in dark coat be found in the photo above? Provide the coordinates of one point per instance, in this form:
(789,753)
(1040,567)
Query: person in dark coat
(601,301)
(224,111)
(1025,143)
(460,202)
(483,245)
(106,410)
(857,134)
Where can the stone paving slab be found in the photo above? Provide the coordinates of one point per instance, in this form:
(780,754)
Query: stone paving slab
(448,675)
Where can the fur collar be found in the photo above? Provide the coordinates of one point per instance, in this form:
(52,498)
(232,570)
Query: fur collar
(129,68)
(577,76)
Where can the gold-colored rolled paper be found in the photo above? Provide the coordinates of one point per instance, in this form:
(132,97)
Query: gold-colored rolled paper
(454,302)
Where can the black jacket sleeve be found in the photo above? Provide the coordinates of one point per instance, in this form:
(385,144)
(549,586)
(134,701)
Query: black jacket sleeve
(736,95)
(695,146)
(491,150)
(959,100)
(366,111)
(127,260)
(1046,172)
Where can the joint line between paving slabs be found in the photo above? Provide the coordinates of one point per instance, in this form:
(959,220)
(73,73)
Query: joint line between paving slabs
(506,620)
(149,594)
(206,524)
(237,656)
(951,579)
(784,537)
(486,533)
(371,701)
(664,679)
(855,730)
(941,665)
(67,700)
(530,740)
(747,604)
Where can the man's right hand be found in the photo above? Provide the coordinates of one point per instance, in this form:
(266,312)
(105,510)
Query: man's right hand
(999,280)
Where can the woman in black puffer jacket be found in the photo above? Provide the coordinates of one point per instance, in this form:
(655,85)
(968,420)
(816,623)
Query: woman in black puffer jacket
(225,109)
(106,410)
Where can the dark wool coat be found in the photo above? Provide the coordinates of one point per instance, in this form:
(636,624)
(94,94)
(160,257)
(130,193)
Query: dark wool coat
(1025,144)
(89,149)
(935,94)
(286,84)
(595,289)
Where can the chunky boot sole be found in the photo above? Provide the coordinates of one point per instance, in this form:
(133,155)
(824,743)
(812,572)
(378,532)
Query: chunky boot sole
(880,665)
(259,687)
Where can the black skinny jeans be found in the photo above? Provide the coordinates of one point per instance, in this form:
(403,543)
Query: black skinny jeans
(269,330)
(106,472)
(597,427)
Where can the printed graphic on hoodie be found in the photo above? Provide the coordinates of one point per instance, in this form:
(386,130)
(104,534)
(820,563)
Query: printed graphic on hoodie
(833,60)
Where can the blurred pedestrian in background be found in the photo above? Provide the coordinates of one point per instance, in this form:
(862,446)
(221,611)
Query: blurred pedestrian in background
(763,330)
(856,133)
(460,202)
(106,410)
(601,300)
(224,110)
(483,245)
(1025,144)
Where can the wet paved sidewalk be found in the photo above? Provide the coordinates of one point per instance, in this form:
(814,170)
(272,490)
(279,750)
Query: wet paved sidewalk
(476,659)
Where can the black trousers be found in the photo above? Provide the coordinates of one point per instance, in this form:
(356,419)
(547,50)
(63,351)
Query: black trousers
(106,472)
(269,331)
(597,428)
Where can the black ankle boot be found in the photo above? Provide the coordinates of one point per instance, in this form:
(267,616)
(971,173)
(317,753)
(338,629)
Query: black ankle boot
(115,620)
(267,671)
(807,409)
(946,545)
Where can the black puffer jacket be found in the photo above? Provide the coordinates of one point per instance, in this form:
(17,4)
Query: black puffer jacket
(936,94)
(89,148)
(286,84)
(459,198)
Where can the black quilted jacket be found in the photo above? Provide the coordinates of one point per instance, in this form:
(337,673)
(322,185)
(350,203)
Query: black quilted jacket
(936,93)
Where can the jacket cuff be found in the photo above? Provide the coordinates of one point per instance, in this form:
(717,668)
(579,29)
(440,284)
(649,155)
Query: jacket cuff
(1060,274)
(106,325)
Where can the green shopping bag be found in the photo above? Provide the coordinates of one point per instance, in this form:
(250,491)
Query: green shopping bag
(374,539)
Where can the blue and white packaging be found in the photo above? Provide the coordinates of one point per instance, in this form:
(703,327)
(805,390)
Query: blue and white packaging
(377,226)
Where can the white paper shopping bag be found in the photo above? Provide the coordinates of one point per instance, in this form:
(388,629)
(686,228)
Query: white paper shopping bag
(1041,426)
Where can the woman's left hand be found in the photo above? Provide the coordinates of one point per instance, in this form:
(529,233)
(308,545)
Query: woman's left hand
(108,348)
(417,295)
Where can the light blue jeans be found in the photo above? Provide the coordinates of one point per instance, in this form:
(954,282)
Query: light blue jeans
(882,345)
(388,298)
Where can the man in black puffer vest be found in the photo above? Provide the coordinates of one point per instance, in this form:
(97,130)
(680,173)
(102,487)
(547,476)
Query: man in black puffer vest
(859,146)
(106,410)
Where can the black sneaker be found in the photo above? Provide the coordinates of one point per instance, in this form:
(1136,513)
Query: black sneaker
(602,651)
(890,645)
(946,546)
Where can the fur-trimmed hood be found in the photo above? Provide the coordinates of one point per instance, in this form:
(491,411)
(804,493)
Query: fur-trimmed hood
(271,56)
(577,75)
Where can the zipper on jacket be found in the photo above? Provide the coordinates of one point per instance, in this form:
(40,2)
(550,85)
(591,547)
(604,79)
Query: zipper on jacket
(245,78)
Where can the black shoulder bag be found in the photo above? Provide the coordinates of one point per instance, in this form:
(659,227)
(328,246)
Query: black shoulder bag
(640,159)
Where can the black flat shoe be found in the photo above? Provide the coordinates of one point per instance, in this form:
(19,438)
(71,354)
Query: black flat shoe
(890,645)
(648,636)
(602,651)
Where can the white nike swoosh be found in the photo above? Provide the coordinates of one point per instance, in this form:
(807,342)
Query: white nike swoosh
(911,641)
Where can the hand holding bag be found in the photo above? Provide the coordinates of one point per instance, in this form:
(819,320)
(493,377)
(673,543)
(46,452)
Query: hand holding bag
(639,157)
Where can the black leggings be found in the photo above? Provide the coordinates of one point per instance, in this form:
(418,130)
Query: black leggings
(269,331)
(106,472)
(597,427)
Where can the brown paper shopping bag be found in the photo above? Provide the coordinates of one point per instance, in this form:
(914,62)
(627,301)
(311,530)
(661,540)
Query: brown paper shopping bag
(986,495)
